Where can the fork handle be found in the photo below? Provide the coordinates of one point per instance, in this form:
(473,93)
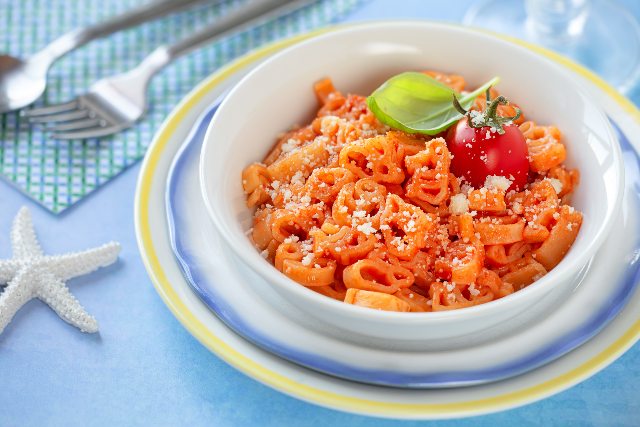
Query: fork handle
(235,21)
(76,38)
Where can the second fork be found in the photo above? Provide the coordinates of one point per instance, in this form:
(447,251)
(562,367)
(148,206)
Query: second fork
(116,103)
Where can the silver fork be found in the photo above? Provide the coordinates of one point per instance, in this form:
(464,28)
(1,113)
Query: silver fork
(22,81)
(116,103)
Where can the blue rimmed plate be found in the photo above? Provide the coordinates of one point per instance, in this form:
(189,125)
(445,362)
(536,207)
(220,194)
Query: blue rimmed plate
(246,303)
(167,275)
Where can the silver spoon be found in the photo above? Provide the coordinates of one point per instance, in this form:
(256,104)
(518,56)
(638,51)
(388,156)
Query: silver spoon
(22,81)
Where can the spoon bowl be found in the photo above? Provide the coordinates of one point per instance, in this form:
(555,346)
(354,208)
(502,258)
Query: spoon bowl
(21,82)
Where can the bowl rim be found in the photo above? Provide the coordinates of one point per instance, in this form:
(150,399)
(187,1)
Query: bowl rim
(284,283)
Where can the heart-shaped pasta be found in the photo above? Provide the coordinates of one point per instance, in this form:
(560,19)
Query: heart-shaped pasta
(405,227)
(375,158)
(375,217)
(429,170)
(377,275)
(545,149)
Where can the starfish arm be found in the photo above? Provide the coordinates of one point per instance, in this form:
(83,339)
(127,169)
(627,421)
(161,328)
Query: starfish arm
(23,236)
(14,296)
(8,270)
(76,264)
(57,296)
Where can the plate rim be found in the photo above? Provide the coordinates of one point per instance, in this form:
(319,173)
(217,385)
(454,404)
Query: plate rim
(208,290)
(304,391)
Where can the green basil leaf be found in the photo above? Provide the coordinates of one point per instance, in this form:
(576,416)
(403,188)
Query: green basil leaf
(417,103)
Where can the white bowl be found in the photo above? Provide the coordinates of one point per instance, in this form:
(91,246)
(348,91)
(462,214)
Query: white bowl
(279,93)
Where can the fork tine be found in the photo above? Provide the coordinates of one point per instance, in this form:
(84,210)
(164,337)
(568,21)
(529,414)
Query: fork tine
(95,132)
(61,117)
(76,125)
(51,109)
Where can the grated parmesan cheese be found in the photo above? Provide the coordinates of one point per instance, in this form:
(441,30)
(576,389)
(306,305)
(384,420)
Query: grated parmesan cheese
(497,182)
(459,204)
(298,178)
(366,228)
(473,291)
(290,145)
(556,184)
(306,260)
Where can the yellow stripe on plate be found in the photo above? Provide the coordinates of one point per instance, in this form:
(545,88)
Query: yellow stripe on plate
(304,391)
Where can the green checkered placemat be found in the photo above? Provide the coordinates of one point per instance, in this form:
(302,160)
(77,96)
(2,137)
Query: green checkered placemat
(60,173)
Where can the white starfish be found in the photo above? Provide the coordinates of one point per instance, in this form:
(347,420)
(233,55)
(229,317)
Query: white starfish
(31,274)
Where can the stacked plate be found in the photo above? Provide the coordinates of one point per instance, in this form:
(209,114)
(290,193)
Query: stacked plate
(237,315)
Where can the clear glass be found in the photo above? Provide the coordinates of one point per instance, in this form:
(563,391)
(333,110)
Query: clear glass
(600,34)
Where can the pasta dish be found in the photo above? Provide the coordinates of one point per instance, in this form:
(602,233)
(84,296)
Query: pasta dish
(373,215)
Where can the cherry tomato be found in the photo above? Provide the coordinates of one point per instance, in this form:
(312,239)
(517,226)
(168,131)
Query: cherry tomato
(480,152)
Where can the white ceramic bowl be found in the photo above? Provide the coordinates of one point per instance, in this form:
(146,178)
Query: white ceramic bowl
(279,93)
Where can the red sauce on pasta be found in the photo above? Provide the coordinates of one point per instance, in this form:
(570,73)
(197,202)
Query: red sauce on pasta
(372,216)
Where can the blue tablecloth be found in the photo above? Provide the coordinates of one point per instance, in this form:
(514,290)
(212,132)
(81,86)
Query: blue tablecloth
(144,368)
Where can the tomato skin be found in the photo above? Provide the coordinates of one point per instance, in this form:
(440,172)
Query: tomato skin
(475,156)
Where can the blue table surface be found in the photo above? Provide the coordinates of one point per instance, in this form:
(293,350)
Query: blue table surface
(144,368)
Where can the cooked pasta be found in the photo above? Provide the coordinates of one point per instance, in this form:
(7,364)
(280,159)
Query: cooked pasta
(375,217)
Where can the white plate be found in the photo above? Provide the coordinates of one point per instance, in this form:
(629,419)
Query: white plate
(249,306)
(358,59)
(154,243)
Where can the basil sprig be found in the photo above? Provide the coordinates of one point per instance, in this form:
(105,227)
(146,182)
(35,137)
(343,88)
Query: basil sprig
(417,103)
